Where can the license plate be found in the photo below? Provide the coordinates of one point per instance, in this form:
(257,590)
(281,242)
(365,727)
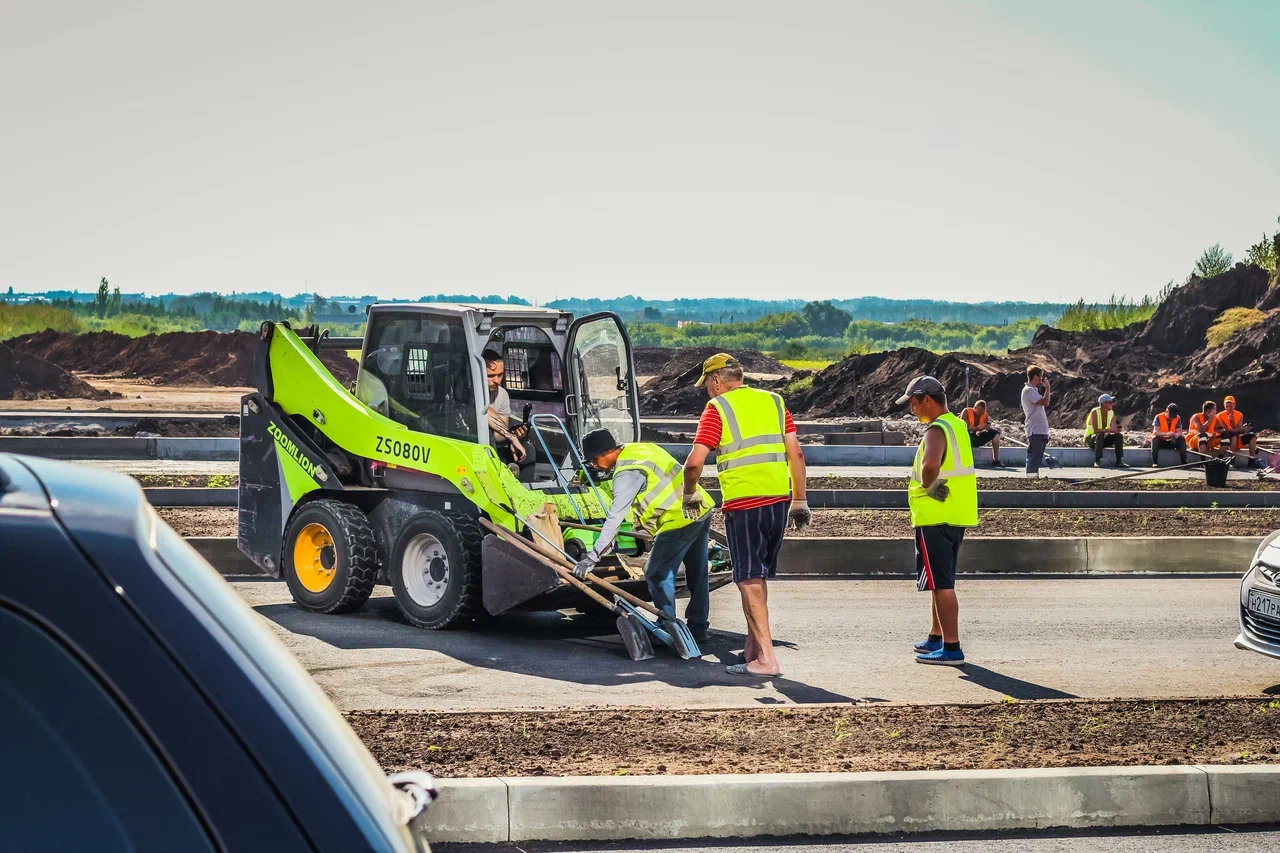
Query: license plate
(1264,605)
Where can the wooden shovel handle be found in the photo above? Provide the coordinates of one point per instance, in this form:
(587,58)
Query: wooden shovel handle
(564,574)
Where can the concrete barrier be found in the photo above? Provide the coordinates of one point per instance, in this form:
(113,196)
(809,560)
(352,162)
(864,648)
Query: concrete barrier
(177,496)
(62,447)
(680,807)
(223,555)
(1244,794)
(469,810)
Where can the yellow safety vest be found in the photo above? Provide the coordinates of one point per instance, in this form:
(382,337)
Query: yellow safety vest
(658,507)
(752,454)
(1106,422)
(961,506)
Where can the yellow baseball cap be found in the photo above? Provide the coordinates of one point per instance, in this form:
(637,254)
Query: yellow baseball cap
(1229,399)
(711,365)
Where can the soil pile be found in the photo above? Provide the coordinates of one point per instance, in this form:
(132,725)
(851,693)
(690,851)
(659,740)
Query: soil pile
(671,391)
(28,377)
(173,358)
(1145,366)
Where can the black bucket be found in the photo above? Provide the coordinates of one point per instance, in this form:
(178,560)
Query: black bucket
(1215,472)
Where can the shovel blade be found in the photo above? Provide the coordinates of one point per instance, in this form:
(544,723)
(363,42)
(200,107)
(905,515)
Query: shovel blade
(634,638)
(682,639)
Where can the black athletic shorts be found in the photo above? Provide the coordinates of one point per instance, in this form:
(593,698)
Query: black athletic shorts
(982,436)
(937,549)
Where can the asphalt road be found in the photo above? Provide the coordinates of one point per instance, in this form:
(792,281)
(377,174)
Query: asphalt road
(839,641)
(1208,840)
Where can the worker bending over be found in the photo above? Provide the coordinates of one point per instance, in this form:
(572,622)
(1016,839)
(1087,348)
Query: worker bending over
(762,482)
(1166,431)
(1231,425)
(943,498)
(1204,436)
(980,431)
(647,482)
(1101,430)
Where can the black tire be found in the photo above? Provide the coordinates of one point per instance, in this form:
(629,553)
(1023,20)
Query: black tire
(349,564)
(435,570)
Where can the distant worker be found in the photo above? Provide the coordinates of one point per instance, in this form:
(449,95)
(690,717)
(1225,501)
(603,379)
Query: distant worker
(647,480)
(505,432)
(943,499)
(980,432)
(762,484)
(1166,432)
(1231,425)
(1035,407)
(1204,437)
(1101,430)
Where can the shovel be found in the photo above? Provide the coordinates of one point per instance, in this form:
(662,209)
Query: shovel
(633,636)
(679,638)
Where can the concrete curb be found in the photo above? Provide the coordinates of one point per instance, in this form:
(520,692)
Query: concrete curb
(190,449)
(895,557)
(888,499)
(600,808)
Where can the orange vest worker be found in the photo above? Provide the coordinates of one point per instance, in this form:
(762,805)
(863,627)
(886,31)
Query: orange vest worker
(975,419)
(1202,427)
(1165,424)
(1230,420)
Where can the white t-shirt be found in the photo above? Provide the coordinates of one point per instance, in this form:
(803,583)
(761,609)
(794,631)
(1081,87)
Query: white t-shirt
(1037,419)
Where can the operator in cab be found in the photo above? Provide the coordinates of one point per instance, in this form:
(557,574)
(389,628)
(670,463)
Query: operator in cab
(505,432)
(648,481)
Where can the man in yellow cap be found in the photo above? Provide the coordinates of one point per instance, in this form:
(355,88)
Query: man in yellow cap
(1231,425)
(762,484)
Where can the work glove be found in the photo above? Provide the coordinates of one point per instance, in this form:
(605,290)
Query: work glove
(938,490)
(585,565)
(692,505)
(800,514)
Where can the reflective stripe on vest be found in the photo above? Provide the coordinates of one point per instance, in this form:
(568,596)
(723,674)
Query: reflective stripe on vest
(657,507)
(1105,422)
(961,506)
(752,455)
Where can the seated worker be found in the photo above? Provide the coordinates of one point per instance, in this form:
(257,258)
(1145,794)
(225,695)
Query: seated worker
(1231,425)
(504,431)
(1166,431)
(649,480)
(975,417)
(1204,436)
(1101,431)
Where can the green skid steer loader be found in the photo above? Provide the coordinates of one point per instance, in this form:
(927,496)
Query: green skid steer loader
(385,482)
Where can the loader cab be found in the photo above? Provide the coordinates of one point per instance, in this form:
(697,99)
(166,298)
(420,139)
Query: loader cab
(423,365)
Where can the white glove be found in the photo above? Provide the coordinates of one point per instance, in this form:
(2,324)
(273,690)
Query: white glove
(692,505)
(800,514)
(585,565)
(938,490)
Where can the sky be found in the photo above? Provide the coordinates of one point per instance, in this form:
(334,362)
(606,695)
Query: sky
(920,149)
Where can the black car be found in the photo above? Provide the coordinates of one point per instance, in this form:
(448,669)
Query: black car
(144,706)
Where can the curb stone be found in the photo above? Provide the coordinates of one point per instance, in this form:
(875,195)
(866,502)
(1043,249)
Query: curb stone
(600,808)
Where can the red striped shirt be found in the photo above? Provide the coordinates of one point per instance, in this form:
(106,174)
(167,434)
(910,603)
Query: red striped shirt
(710,429)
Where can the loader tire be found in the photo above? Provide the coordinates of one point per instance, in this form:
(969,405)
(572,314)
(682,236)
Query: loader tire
(435,570)
(330,557)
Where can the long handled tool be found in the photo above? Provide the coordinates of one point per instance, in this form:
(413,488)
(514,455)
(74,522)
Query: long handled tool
(679,638)
(633,636)
(1142,473)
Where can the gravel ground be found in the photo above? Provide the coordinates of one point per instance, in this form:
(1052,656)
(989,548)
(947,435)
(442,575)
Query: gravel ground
(813,740)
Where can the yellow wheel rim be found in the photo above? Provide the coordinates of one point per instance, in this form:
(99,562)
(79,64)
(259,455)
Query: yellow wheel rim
(315,560)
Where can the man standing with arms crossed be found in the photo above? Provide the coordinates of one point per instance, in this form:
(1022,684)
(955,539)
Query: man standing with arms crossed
(762,483)
(1035,404)
(943,498)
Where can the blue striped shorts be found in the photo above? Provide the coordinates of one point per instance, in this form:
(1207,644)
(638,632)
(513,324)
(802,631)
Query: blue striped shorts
(755,538)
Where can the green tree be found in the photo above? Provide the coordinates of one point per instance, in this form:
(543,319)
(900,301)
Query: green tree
(651,314)
(826,319)
(114,304)
(319,303)
(1214,261)
(100,301)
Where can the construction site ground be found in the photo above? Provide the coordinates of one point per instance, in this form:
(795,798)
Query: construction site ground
(142,396)
(828,739)
(838,641)
(858,523)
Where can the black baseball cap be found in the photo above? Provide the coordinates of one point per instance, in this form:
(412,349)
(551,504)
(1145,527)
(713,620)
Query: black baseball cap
(597,443)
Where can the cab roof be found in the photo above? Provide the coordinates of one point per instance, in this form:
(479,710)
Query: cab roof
(460,308)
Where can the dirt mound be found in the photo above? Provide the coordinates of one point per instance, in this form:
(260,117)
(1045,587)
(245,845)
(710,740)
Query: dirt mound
(27,377)
(173,358)
(1180,323)
(671,391)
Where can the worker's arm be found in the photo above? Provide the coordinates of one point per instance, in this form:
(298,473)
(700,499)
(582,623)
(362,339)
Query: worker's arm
(1044,395)
(626,486)
(693,467)
(935,445)
(795,462)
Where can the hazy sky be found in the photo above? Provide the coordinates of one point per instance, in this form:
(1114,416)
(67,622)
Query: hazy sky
(954,150)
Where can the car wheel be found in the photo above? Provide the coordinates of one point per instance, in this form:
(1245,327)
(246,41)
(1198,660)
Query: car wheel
(330,557)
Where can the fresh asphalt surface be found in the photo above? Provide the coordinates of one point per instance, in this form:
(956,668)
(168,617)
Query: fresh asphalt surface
(838,641)
(1171,840)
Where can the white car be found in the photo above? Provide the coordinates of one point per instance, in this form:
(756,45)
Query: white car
(1260,600)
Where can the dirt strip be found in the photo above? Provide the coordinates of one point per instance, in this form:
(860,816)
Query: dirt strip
(1020,484)
(879,523)
(812,740)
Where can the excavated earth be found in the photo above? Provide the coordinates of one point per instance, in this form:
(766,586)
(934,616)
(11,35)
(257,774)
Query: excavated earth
(172,358)
(24,376)
(670,389)
(827,739)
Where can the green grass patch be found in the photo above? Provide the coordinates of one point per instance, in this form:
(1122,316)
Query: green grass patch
(1230,322)
(807,363)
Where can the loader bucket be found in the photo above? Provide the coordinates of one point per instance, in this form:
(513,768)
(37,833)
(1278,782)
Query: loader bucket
(509,577)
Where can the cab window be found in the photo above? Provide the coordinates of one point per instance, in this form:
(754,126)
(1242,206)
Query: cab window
(416,371)
(530,359)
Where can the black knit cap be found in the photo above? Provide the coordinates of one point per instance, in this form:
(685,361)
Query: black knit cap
(596,443)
